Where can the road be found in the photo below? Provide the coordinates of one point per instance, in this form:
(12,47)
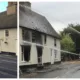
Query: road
(73,72)
(65,70)
(8,66)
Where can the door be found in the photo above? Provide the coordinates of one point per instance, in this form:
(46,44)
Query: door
(52,56)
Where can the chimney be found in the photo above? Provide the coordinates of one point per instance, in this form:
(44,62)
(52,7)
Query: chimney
(26,4)
(12,8)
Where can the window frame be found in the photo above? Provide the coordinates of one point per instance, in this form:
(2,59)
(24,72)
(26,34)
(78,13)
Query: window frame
(26,35)
(55,42)
(55,53)
(45,38)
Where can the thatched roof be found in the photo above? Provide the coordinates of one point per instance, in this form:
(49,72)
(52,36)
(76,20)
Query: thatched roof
(32,20)
(8,21)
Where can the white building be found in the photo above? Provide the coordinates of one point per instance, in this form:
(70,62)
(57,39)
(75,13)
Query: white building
(8,29)
(39,42)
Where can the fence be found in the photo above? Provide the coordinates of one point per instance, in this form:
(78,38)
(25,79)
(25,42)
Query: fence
(66,55)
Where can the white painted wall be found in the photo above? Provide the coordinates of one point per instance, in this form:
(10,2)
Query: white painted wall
(50,43)
(58,58)
(46,56)
(11,39)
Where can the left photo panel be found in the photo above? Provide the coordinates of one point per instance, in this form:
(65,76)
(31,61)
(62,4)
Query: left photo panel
(8,39)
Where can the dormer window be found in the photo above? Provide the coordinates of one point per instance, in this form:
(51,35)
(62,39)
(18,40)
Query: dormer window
(6,33)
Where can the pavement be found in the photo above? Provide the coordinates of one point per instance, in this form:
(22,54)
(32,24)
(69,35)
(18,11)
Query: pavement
(8,66)
(69,69)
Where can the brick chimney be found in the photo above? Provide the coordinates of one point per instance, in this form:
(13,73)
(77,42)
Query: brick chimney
(26,4)
(12,8)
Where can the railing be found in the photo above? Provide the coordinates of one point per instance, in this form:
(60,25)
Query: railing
(69,52)
(66,55)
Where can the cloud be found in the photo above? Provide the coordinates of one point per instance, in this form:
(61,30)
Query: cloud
(59,13)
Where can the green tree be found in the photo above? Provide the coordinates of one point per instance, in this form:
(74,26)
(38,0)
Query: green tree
(67,43)
(75,36)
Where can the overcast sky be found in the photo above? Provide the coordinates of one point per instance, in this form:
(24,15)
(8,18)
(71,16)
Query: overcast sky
(59,14)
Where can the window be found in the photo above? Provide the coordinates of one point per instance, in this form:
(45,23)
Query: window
(33,36)
(6,33)
(22,53)
(36,37)
(55,44)
(55,53)
(51,52)
(26,34)
(45,39)
(26,53)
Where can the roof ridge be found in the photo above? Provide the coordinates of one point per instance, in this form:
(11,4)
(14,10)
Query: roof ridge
(31,10)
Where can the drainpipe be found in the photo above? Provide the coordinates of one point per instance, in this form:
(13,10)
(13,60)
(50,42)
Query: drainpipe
(0,44)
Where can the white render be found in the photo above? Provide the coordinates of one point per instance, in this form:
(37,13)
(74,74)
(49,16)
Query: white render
(11,40)
(47,55)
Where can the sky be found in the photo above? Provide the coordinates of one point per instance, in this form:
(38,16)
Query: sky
(3,6)
(59,14)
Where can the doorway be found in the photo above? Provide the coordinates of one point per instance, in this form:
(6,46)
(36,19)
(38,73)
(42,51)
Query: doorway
(39,53)
(26,53)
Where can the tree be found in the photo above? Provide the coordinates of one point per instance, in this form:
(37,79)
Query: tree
(67,43)
(74,35)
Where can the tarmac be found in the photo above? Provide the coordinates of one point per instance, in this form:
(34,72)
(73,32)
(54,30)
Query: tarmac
(8,66)
(55,71)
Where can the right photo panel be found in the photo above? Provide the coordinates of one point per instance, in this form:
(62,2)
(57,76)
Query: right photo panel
(49,40)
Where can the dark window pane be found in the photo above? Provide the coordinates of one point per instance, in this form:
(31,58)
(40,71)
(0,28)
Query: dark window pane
(55,44)
(6,33)
(36,37)
(26,34)
(45,39)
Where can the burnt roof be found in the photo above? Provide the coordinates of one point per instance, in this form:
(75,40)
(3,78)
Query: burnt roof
(8,21)
(35,21)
